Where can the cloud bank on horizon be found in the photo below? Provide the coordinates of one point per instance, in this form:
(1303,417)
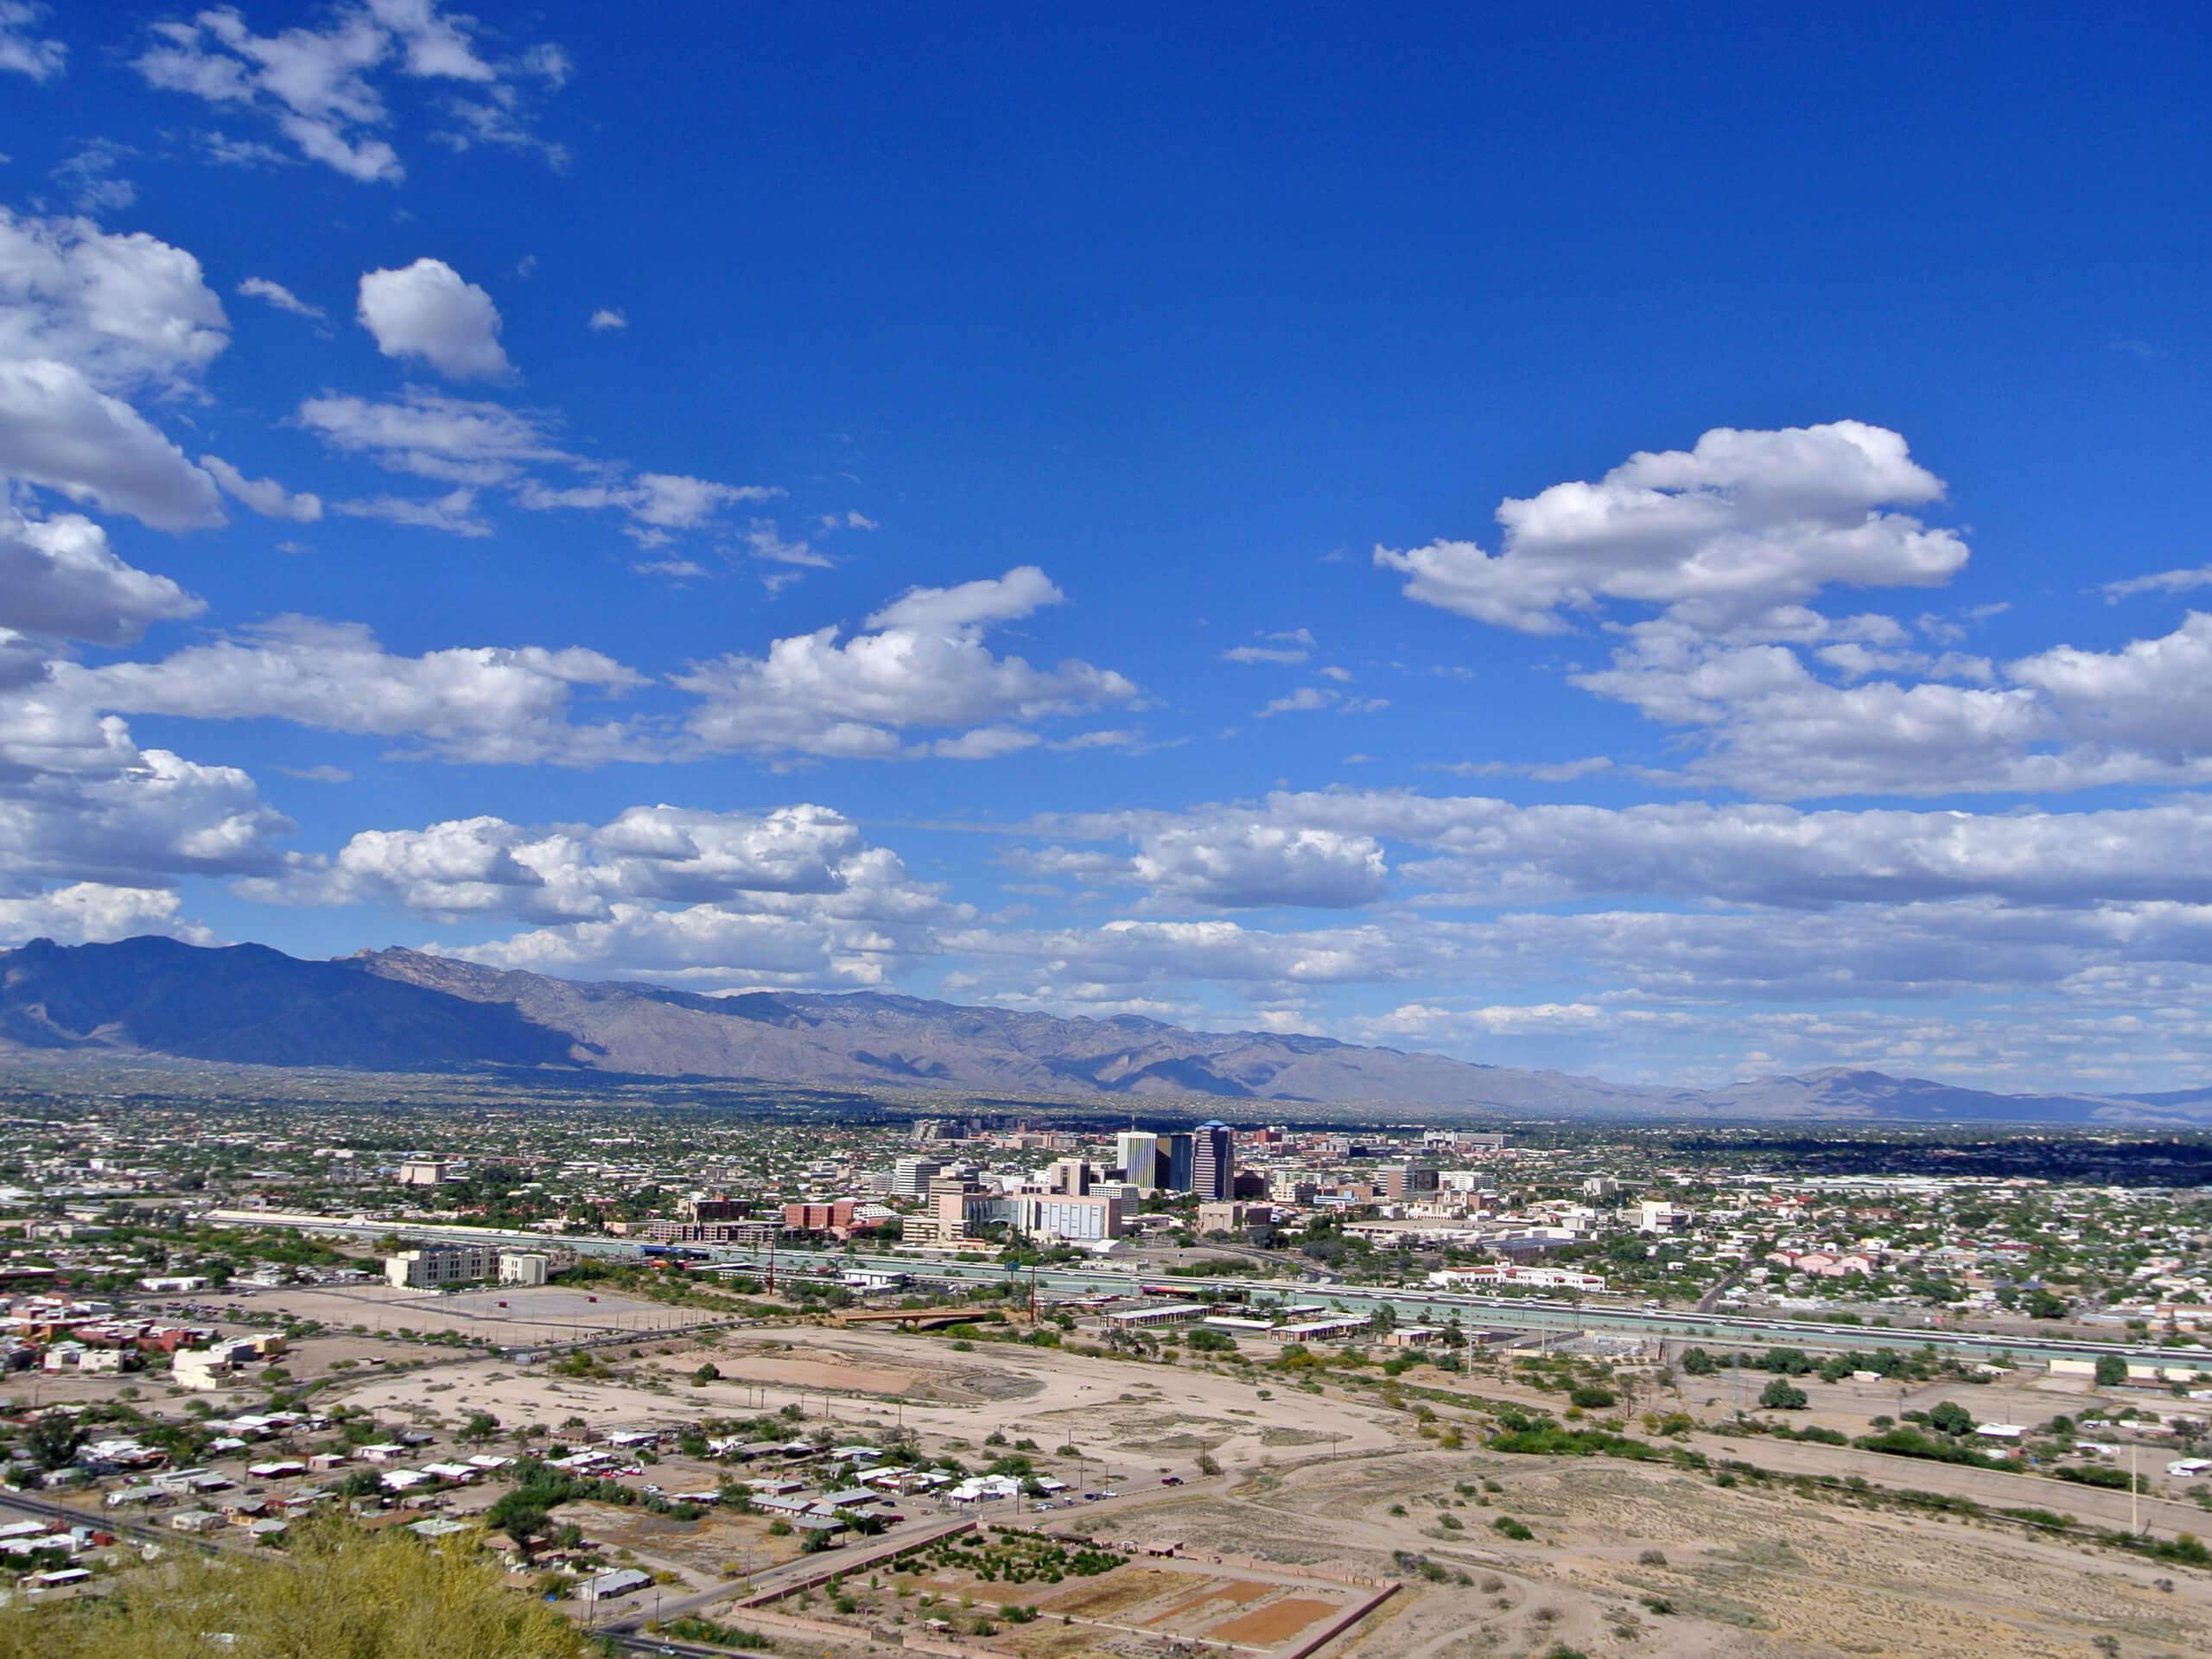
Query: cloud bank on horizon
(455,531)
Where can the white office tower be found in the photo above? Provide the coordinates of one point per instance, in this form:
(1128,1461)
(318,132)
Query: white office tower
(1138,1154)
(911,1177)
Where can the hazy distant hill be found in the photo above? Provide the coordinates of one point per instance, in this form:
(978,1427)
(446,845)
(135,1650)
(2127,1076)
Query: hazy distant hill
(865,1040)
(247,1003)
(402,1011)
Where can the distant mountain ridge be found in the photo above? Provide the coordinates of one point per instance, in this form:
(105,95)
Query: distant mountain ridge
(399,1010)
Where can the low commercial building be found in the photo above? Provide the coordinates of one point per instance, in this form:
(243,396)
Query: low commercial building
(1415,1336)
(1145,1319)
(818,1217)
(1223,1218)
(707,1232)
(1409,1180)
(1321,1331)
(436,1266)
(703,1209)
(927,1232)
(212,1367)
(1052,1215)
(871,1280)
(1507,1273)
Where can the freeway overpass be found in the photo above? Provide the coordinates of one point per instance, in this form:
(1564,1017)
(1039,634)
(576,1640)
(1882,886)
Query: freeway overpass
(1533,1314)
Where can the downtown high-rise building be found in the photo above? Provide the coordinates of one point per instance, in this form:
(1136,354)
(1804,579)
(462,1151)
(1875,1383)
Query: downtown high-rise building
(1136,1153)
(1213,1161)
(1175,1153)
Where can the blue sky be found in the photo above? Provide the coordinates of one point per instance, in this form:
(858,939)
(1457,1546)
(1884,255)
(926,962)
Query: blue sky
(1663,548)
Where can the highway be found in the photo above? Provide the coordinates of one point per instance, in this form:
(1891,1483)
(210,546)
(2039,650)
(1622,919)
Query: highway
(1533,1314)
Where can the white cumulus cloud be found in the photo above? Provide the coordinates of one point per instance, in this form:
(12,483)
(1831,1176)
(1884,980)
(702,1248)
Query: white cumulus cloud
(125,311)
(426,310)
(656,502)
(264,495)
(276,293)
(1745,521)
(88,320)
(60,580)
(22,52)
(788,896)
(648,855)
(484,704)
(90,912)
(59,430)
(1771,724)
(921,661)
(325,89)
(477,444)
(83,806)
(452,438)
(1327,848)
(1254,865)
(454,512)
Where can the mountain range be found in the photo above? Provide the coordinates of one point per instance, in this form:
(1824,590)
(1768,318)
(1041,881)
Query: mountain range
(398,1010)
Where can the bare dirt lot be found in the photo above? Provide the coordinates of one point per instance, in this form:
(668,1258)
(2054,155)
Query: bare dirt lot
(1623,1559)
(513,1315)
(1135,1419)
(1739,1571)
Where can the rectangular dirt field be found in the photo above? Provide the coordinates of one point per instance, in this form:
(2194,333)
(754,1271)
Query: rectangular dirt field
(1275,1623)
(1125,1588)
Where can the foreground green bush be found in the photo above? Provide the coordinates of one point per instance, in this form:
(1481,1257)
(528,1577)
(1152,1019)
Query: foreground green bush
(337,1592)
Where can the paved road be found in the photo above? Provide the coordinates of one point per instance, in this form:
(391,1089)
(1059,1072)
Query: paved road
(1710,1299)
(1501,1312)
(1530,1313)
(47,1510)
(783,1580)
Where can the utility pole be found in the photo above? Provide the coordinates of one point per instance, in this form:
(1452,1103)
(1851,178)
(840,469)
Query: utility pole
(2135,1489)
